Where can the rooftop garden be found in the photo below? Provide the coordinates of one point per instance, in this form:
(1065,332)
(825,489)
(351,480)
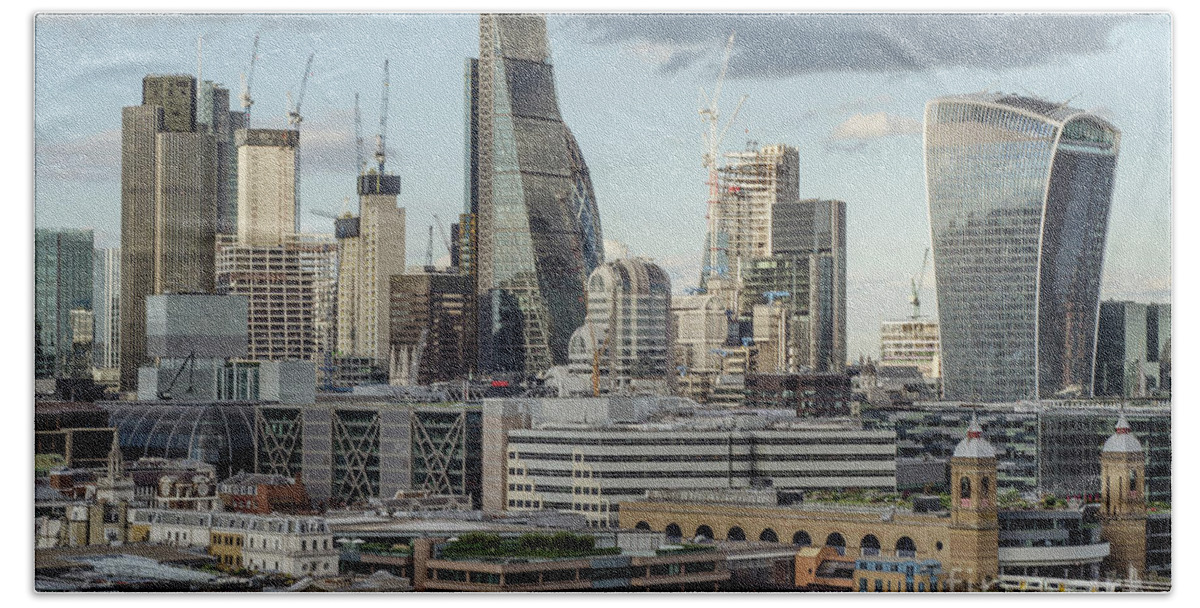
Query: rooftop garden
(868,498)
(1158,506)
(533,545)
(385,549)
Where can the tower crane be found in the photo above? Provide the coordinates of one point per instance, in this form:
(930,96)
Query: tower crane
(713,136)
(293,116)
(381,137)
(360,166)
(442,230)
(247,80)
(917,280)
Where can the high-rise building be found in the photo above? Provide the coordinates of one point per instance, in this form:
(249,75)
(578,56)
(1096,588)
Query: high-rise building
(370,251)
(213,116)
(625,340)
(432,334)
(805,273)
(62,262)
(291,288)
(268,179)
(106,302)
(1019,194)
(538,227)
(168,185)
(1133,349)
(750,184)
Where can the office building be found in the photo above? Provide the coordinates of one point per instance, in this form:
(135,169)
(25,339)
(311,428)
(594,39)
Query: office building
(1019,194)
(62,271)
(370,251)
(432,333)
(625,340)
(588,456)
(106,303)
(750,183)
(168,186)
(213,116)
(1133,350)
(911,342)
(350,449)
(529,190)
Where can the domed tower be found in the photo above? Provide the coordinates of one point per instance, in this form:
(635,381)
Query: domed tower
(974,529)
(1123,501)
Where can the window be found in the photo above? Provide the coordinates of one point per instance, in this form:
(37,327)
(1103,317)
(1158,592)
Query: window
(862,584)
(965,488)
(878,585)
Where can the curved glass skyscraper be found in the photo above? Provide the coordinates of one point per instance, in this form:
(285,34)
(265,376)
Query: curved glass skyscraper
(1019,194)
(537,226)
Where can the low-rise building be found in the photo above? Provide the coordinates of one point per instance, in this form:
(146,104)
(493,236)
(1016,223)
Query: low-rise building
(292,545)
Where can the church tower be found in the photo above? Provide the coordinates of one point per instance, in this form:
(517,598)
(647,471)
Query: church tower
(1123,502)
(974,528)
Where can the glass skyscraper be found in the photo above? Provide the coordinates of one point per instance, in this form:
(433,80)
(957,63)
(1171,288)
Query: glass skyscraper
(1019,194)
(62,262)
(537,226)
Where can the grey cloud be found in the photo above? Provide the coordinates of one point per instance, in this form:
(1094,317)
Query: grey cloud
(782,45)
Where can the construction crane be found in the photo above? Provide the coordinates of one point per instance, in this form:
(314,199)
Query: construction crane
(247,80)
(442,230)
(429,251)
(917,280)
(293,116)
(713,136)
(360,165)
(381,137)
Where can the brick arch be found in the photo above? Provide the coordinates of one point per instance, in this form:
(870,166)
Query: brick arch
(768,535)
(735,533)
(641,525)
(705,530)
(869,545)
(802,538)
(673,530)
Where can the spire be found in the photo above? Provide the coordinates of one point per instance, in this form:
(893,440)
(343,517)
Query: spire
(116,461)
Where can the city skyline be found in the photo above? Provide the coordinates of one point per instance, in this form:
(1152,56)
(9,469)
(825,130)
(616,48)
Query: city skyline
(629,94)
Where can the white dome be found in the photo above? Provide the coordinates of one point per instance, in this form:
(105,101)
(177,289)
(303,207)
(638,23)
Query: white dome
(974,445)
(1122,440)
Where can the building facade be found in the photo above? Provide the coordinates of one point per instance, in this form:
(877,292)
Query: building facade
(291,289)
(268,181)
(168,208)
(1133,350)
(1019,194)
(537,224)
(62,270)
(912,342)
(432,331)
(627,334)
(213,116)
(106,303)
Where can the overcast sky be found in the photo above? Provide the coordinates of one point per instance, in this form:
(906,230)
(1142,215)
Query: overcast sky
(847,90)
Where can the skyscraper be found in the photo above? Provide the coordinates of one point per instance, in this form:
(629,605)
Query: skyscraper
(106,302)
(1133,349)
(1019,194)
(538,227)
(268,178)
(213,116)
(62,261)
(370,251)
(168,214)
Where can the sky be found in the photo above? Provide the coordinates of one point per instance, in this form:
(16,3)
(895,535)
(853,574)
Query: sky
(847,90)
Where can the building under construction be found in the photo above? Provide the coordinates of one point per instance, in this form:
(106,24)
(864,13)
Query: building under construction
(292,290)
(750,183)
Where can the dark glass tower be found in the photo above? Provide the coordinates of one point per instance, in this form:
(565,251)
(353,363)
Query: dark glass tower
(1019,194)
(538,228)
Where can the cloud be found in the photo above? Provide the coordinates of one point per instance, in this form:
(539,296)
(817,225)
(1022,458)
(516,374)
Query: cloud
(94,156)
(858,131)
(779,45)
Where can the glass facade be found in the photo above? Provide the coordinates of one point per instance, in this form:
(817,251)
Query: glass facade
(62,262)
(220,435)
(538,225)
(1019,192)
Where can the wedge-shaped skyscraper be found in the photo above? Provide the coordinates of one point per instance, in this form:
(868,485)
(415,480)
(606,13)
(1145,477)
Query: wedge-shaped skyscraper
(1019,194)
(537,226)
